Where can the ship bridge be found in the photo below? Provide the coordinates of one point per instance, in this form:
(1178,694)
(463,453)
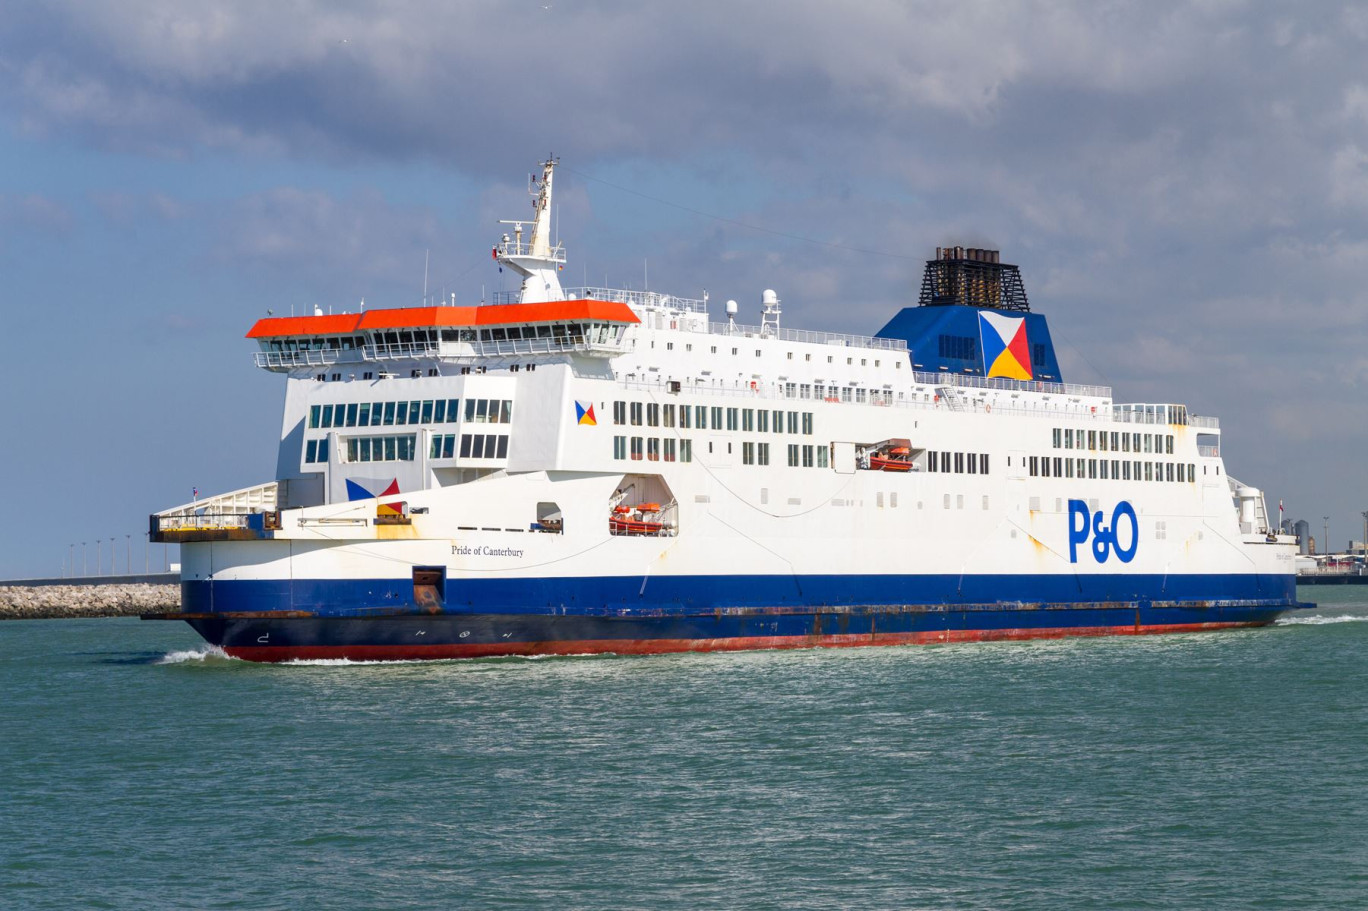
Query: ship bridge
(590,328)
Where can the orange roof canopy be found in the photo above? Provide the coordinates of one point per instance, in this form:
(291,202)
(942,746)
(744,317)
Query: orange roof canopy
(437,317)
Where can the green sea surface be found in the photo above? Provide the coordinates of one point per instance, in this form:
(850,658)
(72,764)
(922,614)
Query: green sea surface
(140,769)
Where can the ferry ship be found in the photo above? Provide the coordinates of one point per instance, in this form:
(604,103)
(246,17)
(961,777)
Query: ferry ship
(588,470)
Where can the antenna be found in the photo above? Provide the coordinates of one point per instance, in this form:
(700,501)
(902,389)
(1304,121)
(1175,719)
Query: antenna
(426,254)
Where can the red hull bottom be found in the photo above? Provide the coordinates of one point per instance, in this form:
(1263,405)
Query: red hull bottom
(358,652)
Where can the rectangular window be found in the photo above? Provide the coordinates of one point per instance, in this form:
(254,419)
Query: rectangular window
(931,461)
(1068,439)
(762,421)
(778,422)
(1068,468)
(439,411)
(636,449)
(1168,471)
(363,416)
(1092,439)
(1045,466)
(401,413)
(973,462)
(945,462)
(701,417)
(653,449)
(1149,471)
(808,460)
(351,415)
(1058,467)
(822,456)
(716,417)
(619,447)
(453,410)
(1115,470)
(619,412)
(465,445)
(793,422)
(1057,435)
(762,453)
(1149,446)
(389,414)
(1102,441)
(448,445)
(652,415)
(1135,442)
(686,450)
(363,449)
(793,455)
(983,463)
(315,416)
(1092,469)
(959,463)
(684,414)
(669,449)
(1113,438)
(1125,442)
(1168,445)
(635,410)
(311,451)
(414,410)
(747,419)
(1034,463)
(427,413)
(327,416)
(747,453)
(669,415)
(733,418)
(807,423)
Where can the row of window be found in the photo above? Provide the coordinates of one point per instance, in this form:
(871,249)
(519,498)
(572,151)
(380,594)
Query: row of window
(1102,440)
(380,449)
(799,456)
(957,462)
(484,446)
(316,450)
(653,449)
(716,417)
(430,411)
(1113,469)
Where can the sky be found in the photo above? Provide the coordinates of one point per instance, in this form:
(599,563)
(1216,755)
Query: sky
(1184,186)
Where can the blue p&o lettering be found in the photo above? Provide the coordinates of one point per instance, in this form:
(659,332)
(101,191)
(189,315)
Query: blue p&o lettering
(1105,539)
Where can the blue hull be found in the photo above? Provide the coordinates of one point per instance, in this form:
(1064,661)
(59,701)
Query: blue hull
(380,619)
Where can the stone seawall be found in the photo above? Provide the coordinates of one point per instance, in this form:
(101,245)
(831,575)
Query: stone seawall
(120,600)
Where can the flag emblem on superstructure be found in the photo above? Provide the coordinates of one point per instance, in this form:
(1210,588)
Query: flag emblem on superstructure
(1006,350)
(584,413)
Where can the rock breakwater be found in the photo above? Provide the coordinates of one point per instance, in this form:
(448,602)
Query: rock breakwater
(116,600)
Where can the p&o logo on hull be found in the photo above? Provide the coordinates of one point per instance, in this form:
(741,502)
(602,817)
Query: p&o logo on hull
(1106,539)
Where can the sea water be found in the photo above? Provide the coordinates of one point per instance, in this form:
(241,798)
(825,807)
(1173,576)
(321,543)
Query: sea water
(142,769)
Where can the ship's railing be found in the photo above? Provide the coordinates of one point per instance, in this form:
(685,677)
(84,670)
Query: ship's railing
(998,382)
(285,360)
(735,330)
(551,345)
(524,248)
(1201,420)
(400,351)
(248,500)
(1210,452)
(637,298)
(651,299)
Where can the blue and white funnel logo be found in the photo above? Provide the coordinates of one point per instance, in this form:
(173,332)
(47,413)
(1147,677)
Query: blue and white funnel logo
(1106,539)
